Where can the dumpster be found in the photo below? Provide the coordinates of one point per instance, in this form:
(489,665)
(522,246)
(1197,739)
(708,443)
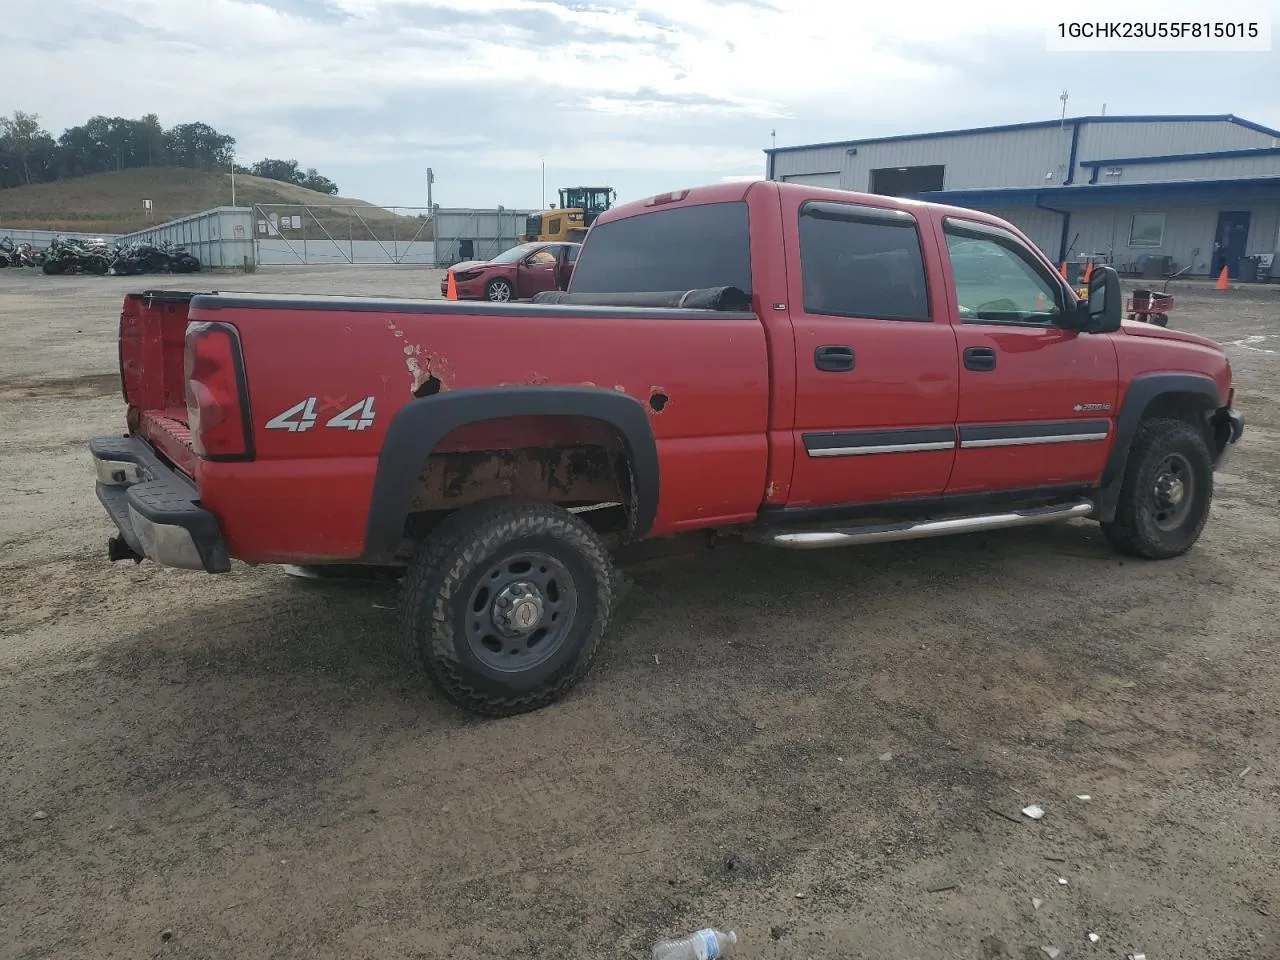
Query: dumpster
(1247,269)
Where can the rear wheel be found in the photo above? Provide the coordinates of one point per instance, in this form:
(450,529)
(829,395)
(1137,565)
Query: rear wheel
(1166,491)
(498,290)
(506,604)
(1160,319)
(53,267)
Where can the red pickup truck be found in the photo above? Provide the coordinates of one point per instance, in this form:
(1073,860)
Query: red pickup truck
(805,367)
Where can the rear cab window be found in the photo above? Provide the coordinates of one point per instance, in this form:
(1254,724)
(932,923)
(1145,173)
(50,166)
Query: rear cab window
(682,248)
(862,261)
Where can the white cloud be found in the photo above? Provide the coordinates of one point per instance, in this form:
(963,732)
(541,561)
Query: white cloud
(686,86)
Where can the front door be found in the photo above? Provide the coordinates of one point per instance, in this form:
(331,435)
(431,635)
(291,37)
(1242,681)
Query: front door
(1037,400)
(1230,242)
(876,367)
(538,272)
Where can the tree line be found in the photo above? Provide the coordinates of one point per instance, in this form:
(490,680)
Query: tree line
(31,154)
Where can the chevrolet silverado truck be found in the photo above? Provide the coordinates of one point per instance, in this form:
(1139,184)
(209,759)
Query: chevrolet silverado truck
(804,367)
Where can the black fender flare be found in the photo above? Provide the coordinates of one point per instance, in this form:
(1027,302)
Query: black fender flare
(418,427)
(1137,399)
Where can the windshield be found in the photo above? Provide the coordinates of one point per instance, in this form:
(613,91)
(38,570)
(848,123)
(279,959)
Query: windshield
(515,253)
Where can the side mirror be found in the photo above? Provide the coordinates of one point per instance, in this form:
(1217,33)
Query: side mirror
(1101,312)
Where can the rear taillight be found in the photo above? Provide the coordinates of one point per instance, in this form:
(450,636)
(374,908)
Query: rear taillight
(217,398)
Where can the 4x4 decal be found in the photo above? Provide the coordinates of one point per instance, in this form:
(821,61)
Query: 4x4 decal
(303,416)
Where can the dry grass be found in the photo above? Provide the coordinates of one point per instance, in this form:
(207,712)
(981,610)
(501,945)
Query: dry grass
(112,203)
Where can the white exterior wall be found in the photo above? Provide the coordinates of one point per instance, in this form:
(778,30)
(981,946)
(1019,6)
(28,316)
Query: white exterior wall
(1150,138)
(1188,232)
(1224,169)
(1022,158)
(1017,158)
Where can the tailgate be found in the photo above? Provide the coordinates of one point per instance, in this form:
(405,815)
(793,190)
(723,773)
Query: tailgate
(153,327)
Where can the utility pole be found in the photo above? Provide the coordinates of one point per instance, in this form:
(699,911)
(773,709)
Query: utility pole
(233,181)
(773,135)
(431,179)
(544,185)
(1063,97)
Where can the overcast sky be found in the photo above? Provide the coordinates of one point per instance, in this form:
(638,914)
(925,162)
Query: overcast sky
(643,95)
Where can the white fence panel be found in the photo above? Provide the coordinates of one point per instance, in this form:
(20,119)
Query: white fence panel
(41,238)
(220,238)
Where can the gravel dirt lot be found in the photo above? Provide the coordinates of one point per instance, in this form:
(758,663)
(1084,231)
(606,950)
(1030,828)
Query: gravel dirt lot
(807,748)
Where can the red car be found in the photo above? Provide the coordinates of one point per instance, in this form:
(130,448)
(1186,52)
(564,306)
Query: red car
(517,274)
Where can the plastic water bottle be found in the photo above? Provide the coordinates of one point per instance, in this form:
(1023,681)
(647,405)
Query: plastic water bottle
(706,944)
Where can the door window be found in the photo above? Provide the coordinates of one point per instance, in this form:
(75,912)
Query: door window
(541,258)
(864,262)
(998,280)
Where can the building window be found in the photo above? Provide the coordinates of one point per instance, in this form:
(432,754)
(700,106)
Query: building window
(1146,230)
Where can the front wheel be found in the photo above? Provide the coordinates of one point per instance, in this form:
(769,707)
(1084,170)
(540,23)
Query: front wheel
(1166,491)
(506,604)
(498,291)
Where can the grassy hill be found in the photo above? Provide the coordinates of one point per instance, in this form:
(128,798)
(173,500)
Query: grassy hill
(112,203)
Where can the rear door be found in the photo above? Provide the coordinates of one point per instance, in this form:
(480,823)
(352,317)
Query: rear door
(1036,398)
(877,374)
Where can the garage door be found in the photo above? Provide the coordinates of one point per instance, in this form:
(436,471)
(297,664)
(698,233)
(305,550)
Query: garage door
(831,180)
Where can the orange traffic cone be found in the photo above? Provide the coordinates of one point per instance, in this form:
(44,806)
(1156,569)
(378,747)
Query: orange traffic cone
(1222,281)
(1088,272)
(1063,269)
(451,289)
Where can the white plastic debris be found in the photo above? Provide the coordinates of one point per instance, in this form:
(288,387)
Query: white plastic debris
(1036,903)
(1034,811)
(1083,796)
(885,757)
(1062,881)
(1246,771)
(1050,952)
(1136,956)
(1094,938)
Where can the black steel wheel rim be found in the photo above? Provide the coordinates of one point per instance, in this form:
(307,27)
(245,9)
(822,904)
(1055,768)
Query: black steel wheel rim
(1172,492)
(520,611)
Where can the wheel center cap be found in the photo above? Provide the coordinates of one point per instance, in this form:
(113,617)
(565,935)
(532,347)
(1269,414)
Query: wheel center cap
(1175,492)
(518,609)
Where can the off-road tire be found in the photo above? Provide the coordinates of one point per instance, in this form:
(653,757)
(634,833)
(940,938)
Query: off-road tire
(1134,531)
(439,584)
(493,284)
(53,268)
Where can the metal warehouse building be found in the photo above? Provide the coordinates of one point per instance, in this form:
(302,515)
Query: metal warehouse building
(1153,195)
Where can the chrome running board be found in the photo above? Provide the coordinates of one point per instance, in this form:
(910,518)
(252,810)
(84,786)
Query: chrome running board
(919,529)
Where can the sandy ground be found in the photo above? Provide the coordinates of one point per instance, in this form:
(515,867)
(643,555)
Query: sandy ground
(804,748)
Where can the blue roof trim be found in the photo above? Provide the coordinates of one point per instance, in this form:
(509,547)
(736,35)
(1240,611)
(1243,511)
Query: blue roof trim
(1106,194)
(1180,157)
(1040,124)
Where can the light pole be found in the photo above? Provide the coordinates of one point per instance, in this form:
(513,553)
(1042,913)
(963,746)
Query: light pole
(544,185)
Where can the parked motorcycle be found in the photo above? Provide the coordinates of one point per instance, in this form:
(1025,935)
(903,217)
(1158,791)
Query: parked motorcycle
(135,258)
(17,254)
(76,256)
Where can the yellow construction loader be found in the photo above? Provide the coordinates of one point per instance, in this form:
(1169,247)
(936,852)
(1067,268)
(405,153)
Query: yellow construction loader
(568,223)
